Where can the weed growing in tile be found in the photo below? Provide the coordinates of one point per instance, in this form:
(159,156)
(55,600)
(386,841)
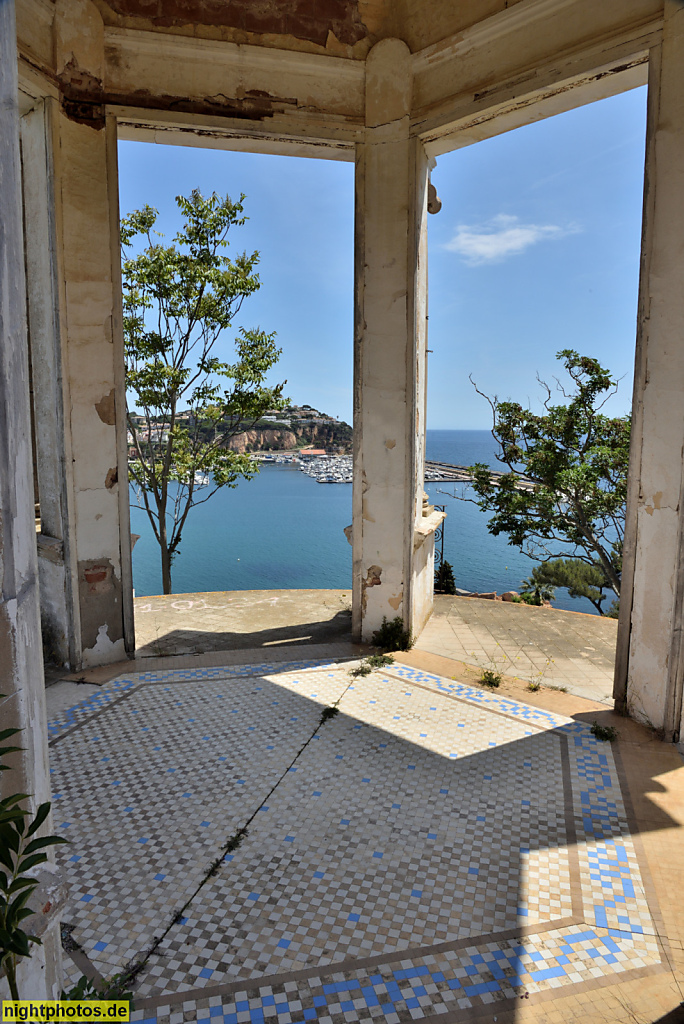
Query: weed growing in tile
(533,687)
(329,713)
(392,636)
(114,988)
(604,732)
(490,678)
(371,662)
(379,660)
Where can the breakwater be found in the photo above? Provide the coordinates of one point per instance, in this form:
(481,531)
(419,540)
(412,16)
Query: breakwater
(338,469)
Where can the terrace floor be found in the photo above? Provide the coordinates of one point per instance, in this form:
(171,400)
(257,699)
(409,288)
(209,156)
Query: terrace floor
(433,850)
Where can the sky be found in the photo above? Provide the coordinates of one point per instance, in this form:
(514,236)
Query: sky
(536,249)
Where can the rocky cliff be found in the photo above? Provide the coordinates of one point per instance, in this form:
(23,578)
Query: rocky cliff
(324,435)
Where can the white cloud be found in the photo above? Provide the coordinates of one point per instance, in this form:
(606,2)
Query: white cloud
(501,237)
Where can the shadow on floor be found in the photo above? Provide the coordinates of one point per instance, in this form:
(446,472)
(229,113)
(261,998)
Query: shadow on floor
(187,641)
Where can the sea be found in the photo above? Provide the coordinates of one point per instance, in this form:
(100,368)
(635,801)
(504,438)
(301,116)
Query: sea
(283,530)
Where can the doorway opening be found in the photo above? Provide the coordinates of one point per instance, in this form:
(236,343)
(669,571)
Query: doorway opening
(535,252)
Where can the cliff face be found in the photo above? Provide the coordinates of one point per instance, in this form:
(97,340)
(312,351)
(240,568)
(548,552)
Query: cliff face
(271,439)
(262,440)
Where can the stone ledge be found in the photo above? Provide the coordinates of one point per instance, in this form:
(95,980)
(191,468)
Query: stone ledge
(426,527)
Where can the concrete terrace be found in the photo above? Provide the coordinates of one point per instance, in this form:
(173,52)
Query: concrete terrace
(558,648)
(433,851)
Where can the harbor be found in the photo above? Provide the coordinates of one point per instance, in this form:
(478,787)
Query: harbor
(338,469)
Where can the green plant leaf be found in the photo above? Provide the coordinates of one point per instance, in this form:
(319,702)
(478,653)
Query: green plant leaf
(39,844)
(41,815)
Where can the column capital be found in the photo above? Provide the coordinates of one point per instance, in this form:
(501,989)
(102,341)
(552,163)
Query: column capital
(389,82)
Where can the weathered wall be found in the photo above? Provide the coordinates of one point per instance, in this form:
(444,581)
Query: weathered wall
(650,664)
(59,616)
(21,670)
(389,345)
(96,397)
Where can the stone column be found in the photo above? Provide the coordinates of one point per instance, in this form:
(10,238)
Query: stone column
(86,190)
(60,618)
(21,666)
(650,660)
(392,560)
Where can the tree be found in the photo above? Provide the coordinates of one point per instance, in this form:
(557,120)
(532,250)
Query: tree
(178,300)
(536,591)
(581,579)
(565,490)
(444,579)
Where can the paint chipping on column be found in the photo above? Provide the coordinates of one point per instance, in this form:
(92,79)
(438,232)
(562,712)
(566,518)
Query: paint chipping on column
(371,579)
(106,408)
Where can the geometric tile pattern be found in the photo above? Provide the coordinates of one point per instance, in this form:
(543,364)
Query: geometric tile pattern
(433,848)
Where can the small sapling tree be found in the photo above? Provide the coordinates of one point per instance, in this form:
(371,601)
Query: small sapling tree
(178,301)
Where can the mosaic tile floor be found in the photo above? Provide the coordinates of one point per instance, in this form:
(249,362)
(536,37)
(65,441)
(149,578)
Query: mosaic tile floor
(431,849)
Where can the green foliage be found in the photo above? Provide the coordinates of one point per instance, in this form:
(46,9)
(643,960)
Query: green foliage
(534,686)
(576,459)
(490,677)
(178,300)
(444,579)
(535,591)
(392,636)
(114,988)
(604,732)
(582,579)
(379,660)
(371,662)
(20,850)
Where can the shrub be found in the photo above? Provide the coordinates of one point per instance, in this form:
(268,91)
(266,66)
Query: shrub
(392,636)
(603,732)
(444,579)
(379,660)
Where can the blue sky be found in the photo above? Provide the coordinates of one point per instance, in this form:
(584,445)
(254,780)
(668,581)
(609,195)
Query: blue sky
(536,248)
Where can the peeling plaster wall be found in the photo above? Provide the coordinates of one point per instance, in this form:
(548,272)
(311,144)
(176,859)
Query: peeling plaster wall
(21,667)
(650,628)
(389,343)
(311,20)
(96,398)
(59,616)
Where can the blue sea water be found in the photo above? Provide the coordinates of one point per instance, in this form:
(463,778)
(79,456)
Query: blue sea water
(282,530)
